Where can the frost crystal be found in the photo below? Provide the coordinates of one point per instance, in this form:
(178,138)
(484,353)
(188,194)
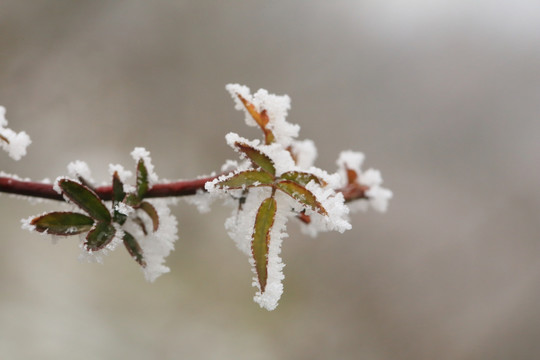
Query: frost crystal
(13,143)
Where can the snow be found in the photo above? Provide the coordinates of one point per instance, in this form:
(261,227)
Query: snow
(141,153)
(78,169)
(16,143)
(277,108)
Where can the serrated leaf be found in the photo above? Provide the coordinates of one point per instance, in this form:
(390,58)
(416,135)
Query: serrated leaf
(302,195)
(246,179)
(152,213)
(260,118)
(100,236)
(86,199)
(63,223)
(134,249)
(301,178)
(118,195)
(257,157)
(261,239)
(142,179)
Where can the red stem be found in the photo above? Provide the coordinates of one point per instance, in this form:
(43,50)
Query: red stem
(176,188)
(46,191)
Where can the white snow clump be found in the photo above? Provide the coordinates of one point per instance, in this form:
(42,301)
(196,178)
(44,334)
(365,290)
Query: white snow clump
(16,143)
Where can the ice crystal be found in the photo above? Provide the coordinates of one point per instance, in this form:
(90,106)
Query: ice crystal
(13,143)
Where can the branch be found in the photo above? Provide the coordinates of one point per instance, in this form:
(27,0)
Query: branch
(177,188)
(46,191)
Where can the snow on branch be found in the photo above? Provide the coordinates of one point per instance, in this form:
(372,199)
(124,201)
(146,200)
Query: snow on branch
(273,181)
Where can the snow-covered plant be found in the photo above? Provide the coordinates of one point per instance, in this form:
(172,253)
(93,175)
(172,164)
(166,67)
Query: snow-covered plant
(275,180)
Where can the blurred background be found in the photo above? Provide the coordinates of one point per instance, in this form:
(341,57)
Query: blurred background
(442,96)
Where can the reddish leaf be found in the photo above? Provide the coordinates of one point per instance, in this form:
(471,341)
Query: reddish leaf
(134,249)
(86,199)
(261,239)
(246,179)
(63,223)
(302,195)
(257,157)
(260,118)
(152,213)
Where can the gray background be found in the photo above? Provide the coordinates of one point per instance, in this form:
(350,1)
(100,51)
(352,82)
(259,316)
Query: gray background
(442,96)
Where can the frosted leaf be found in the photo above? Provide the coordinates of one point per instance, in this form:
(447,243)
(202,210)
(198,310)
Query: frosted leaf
(276,107)
(274,286)
(377,196)
(13,143)
(141,153)
(123,174)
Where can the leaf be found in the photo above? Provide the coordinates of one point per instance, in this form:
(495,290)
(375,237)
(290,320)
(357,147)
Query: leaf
(152,213)
(301,178)
(4,139)
(63,223)
(351,176)
(261,239)
(134,249)
(142,179)
(260,118)
(257,157)
(246,179)
(86,199)
(302,195)
(118,195)
(132,200)
(100,236)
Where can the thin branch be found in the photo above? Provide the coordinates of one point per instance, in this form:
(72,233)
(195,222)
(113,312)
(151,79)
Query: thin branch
(172,189)
(46,191)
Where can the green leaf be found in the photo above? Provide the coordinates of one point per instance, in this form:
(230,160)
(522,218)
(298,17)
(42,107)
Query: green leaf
(152,213)
(118,195)
(86,199)
(134,249)
(301,178)
(246,179)
(261,238)
(257,157)
(132,200)
(302,195)
(142,179)
(100,236)
(63,223)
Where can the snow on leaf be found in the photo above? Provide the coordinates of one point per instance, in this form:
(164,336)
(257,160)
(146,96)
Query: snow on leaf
(62,223)
(301,178)
(246,179)
(118,195)
(150,210)
(86,199)
(261,238)
(142,179)
(134,248)
(302,195)
(100,236)
(257,157)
